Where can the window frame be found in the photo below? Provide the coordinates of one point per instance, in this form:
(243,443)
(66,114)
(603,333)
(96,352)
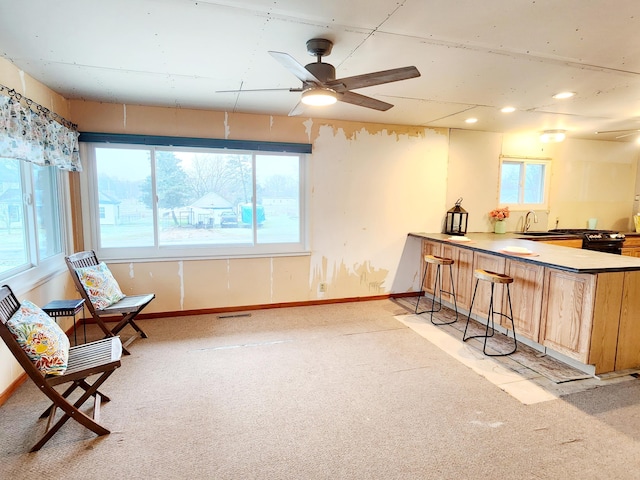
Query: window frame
(158,252)
(37,271)
(525,161)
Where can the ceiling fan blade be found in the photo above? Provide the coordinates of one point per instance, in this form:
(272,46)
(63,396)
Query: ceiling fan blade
(633,132)
(291,64)
(363,101)
(297,110)
(618,131)
(371,79)
(261,90)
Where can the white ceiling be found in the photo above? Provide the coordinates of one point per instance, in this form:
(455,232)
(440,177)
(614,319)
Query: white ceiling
(475,56)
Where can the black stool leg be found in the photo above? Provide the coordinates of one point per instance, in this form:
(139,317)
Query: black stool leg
(473,299)
(490,320)
(424,277)
(437,287)
(452,292)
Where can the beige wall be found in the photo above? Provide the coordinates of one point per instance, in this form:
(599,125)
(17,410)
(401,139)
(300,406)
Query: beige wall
(369,185)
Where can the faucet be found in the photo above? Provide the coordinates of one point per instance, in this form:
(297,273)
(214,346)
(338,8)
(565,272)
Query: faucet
(527,220)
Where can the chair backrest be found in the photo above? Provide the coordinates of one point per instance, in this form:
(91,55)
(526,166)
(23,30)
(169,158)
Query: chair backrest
(9,305)
(87,258)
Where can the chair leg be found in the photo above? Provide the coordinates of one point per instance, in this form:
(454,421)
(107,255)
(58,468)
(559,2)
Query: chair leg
(73,411)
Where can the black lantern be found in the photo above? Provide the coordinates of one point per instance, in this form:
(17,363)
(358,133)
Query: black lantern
(456,223)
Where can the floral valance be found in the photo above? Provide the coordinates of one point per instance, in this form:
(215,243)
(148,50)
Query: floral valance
(34,136)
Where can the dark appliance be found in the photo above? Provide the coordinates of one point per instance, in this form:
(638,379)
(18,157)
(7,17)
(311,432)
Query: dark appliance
(607,241)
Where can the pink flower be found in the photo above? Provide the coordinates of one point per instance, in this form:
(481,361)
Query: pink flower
(499,213)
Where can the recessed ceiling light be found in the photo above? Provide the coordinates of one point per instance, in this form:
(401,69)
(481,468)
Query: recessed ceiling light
(508,109)
(562,95)
(471,120)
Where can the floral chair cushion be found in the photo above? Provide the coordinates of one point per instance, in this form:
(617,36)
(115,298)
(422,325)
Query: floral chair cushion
(103,290)
(41,338)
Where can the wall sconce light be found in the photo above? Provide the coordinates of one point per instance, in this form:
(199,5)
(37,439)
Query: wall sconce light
(319,97)
(552,136)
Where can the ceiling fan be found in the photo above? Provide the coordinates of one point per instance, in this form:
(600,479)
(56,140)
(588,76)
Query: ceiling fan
(624,133)
(320,85)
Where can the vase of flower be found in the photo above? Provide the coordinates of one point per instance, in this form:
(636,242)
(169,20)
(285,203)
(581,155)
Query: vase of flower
(500,215)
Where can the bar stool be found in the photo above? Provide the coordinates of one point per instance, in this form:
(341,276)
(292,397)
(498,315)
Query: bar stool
(439,262)
(493,278)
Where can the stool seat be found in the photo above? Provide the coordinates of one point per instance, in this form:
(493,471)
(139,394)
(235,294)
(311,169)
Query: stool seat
(436,260)
(494,279)
(438,287)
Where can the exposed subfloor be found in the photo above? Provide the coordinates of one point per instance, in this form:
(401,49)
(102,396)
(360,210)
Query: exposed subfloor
(528,374)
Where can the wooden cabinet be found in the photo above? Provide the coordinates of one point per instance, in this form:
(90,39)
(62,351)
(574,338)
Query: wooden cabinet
(567,312)
(491,263)
(526,298)
(462,274)
(567,242)
(593,318)
(628,347)
(429,248)
(631,247)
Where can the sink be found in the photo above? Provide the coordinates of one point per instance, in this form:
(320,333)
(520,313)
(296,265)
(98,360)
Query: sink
(542,234)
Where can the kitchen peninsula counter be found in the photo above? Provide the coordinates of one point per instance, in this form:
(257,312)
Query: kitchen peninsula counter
(581,304)
(563,258)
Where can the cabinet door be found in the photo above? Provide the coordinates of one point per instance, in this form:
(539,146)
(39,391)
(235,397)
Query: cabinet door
(429,248)
(631,252)
(567,312)
(526,298)
(462,274)
(628,352)
(491,263)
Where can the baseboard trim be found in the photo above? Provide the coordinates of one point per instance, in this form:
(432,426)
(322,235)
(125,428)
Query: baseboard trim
(4,396)
(244,308)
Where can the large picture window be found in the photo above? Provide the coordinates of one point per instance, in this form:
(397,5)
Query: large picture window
(177,202)
(30,216)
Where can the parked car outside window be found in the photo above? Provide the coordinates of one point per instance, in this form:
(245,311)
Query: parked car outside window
(228,220)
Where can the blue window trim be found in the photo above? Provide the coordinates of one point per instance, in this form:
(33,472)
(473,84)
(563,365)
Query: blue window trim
(159,140)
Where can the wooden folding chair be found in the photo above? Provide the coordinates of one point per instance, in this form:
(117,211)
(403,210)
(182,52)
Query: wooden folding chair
(95,358)
(129,307)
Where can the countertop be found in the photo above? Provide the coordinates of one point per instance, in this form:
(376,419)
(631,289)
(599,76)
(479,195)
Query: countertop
(564,258)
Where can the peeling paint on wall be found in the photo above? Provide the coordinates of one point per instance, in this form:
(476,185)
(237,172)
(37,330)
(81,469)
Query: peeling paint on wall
(271,279)
(24,84)
(131,271)
(227,129)
(390,183)
(308,127)
(124,115)
(181,277)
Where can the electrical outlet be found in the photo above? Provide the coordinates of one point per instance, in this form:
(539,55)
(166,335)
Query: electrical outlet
(322,287)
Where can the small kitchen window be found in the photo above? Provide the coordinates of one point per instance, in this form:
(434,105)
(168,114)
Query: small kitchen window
(524,182)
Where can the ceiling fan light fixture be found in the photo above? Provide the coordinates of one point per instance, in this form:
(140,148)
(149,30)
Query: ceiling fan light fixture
(553,136)
(319,97)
